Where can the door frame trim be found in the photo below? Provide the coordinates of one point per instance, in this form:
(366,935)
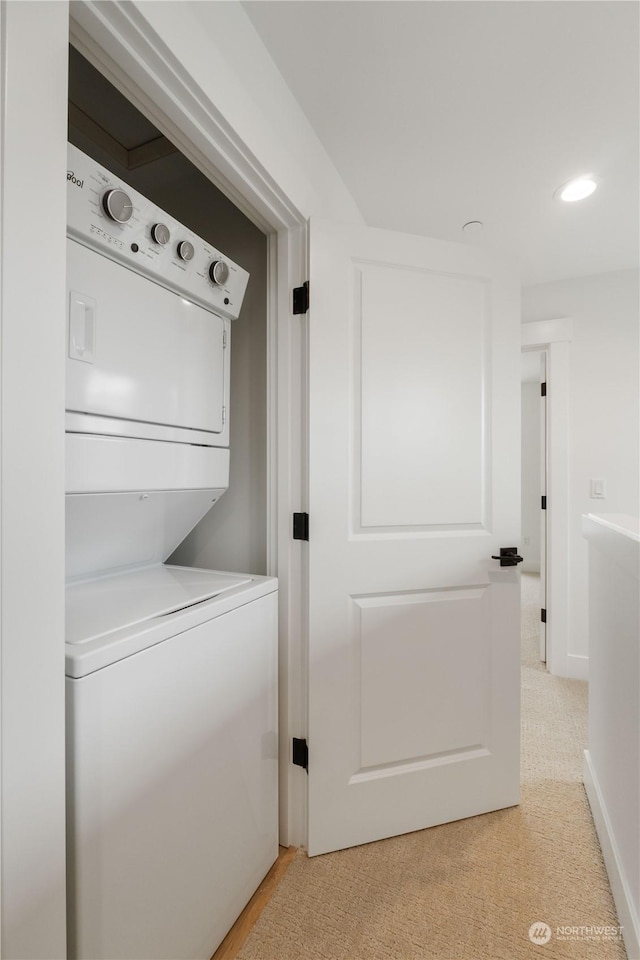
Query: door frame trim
(554,338)
(116,40)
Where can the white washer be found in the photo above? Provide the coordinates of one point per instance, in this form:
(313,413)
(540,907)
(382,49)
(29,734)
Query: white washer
(172,759)
(172,746)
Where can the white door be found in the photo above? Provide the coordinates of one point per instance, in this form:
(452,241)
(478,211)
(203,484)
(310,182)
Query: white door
(414,482)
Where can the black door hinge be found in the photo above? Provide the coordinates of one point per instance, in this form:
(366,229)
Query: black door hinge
(300,753)
(544,503)
(543,389)
(301,526)
(543,615)
(301,298)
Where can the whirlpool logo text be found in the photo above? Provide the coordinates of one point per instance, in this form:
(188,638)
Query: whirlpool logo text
(71,178)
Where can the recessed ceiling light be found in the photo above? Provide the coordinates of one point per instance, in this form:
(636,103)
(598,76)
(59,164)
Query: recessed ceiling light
(576,189)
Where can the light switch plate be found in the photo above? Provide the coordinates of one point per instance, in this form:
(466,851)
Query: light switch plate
(598,490)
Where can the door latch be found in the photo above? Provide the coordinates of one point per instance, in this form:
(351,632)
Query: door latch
(508,557)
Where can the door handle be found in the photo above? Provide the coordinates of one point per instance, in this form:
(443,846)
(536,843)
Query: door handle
(508,557)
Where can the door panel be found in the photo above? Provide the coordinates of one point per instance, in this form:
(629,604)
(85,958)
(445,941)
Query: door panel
(414,649)
(409,370)
(414,414)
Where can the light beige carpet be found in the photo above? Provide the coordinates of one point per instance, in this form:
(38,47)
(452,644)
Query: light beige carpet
(469,890)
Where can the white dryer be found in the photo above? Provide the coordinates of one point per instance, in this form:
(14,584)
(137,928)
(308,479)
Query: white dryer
(171,671)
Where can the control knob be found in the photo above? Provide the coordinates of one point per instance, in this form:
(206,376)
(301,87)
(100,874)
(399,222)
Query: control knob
(219,272)
(117,205)
(160,233)
(186,250)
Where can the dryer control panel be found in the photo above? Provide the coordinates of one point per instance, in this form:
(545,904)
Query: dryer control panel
(115,220)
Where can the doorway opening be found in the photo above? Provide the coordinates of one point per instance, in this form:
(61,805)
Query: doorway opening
(178,108)
(552,340)
(534,495)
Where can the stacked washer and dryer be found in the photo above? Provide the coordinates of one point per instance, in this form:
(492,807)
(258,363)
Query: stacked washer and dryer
(171,671)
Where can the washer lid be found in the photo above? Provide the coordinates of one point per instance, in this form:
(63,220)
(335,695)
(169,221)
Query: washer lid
(106,604)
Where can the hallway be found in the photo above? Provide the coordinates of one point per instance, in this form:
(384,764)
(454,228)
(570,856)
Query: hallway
(469,890)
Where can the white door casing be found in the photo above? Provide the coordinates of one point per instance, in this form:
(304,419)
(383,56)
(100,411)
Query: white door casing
(554,337)
(542,636)
(414,482)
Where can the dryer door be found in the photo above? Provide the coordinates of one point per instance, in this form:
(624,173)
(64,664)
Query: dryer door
(140,353)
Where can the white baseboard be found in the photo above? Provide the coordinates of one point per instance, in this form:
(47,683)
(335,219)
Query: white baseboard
(627,910)
(577,666)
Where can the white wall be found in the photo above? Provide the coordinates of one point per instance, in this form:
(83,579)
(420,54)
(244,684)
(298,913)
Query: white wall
(604,413)
(33,85)
(530,452)
(612,762)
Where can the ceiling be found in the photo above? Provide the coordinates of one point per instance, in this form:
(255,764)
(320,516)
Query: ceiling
(439,112)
